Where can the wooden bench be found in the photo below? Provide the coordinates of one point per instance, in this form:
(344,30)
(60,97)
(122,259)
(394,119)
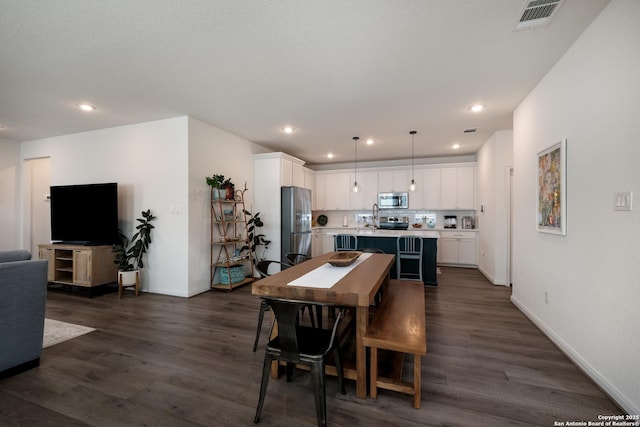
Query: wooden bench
(398,325)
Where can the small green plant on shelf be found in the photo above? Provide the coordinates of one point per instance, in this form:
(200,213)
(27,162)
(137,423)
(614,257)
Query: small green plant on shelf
(221,187)
(255,239)
(129,254)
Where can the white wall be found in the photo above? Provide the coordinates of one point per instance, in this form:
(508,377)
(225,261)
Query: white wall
(149,163)
(495,158)
(592,275)
(9,186)
(212,151)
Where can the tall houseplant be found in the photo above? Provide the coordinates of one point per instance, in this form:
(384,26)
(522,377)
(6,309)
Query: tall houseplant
(130,254)
(255,239)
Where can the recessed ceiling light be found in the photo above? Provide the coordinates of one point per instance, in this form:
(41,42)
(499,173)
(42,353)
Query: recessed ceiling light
(86,107)
(330,156)
(369,141)
(455,146)
(287,129)
(477,108)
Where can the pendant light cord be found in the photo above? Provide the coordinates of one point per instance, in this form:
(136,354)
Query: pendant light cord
(355,164)
(413,175)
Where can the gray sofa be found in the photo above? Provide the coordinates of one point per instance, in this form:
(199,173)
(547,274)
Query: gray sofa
(23,293)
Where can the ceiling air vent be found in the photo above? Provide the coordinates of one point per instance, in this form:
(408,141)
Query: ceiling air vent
(536,13)
(470,130)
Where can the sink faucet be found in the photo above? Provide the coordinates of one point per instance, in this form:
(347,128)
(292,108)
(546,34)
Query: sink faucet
(375,211)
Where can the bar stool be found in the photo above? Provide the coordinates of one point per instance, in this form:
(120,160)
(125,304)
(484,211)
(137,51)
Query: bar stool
(409,248)
(345,242)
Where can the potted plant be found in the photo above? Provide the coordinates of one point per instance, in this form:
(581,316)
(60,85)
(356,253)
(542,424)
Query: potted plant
(221,187)
(255,239)
(130,253)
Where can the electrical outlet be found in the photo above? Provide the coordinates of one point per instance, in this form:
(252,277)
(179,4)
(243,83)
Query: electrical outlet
(546,297)
(175,209)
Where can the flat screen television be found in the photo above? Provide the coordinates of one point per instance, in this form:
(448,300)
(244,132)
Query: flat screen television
(84,214)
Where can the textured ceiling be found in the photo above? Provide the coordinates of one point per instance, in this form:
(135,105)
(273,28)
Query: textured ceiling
(331,69)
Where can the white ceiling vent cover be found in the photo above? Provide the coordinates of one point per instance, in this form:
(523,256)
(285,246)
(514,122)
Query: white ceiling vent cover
(536,13)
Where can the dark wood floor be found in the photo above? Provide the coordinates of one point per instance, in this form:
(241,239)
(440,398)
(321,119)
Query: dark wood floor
(163,361)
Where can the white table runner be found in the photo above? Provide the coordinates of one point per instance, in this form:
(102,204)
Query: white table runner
(326,275)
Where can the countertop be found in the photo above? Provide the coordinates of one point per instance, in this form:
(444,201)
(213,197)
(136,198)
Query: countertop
(368,231)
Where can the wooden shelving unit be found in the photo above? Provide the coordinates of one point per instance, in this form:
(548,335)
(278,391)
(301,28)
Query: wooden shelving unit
(231,266)
(78,265)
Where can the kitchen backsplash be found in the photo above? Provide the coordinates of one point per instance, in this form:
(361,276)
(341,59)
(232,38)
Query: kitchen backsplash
(361,218)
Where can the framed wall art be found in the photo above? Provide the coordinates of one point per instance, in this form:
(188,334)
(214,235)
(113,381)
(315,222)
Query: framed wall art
(551,197)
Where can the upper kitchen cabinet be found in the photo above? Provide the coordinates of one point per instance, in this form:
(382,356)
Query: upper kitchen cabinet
(457,188)
(286,172)
(368,194)
(288,169)
(431,188)
(393,180)
(332,191)
(301,176)
(308,179)
(416,198)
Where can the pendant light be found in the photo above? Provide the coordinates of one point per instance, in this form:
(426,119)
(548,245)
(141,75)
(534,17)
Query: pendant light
(355,187)
(412,184)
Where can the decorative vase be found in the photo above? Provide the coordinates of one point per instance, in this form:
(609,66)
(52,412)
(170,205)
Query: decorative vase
(230,192)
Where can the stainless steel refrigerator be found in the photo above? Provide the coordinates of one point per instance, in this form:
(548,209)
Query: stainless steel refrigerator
(296,221)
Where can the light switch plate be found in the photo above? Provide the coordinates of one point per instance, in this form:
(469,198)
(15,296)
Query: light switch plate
(623,201)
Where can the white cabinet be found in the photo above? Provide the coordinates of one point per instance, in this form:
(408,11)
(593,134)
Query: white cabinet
(394,180)
(416,199)
(431,188)
(457,247)
(297,175)
(457,186)
(286,172)
(308,179)
(368,194)
(316,242)
(327,242)
(336,191)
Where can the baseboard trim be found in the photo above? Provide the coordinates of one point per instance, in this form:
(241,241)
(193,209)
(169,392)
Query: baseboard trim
(490,278)
(609,389)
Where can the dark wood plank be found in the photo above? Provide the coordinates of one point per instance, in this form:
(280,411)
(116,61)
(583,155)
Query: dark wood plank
(160,360)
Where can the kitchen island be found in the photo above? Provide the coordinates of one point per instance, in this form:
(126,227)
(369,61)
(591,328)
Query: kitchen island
(386,240)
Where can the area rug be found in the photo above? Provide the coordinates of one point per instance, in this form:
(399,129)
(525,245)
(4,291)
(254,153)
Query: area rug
(56,332)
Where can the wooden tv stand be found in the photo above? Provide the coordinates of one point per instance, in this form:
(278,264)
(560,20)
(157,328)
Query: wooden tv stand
(79,265)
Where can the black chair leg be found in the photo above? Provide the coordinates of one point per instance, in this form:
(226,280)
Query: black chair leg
(310,308)
(338,362)
(266,372)
(319,392)
(290,367)
(263,307)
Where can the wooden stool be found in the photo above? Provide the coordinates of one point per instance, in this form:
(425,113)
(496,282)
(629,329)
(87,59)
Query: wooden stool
(122,286)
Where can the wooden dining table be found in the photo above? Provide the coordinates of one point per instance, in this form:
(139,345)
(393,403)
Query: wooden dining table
(356,289)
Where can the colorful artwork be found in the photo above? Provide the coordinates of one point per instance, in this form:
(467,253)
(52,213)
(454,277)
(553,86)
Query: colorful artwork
(551,203)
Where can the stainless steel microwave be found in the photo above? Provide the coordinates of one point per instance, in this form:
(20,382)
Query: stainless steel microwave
(393,200)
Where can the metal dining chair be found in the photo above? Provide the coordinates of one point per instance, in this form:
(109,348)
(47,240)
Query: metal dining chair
(345,242)
(301,344)
(263,269)
(295,258)
(409,248)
